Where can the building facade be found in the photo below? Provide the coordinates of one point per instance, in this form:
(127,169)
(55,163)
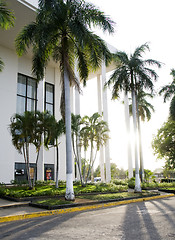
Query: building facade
(19,92)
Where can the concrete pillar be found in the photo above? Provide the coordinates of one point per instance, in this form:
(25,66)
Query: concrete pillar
(99,93)
(105,117)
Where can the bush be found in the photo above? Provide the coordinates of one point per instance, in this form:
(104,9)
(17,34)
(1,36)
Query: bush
(120,182)
(131,182)
(167,180)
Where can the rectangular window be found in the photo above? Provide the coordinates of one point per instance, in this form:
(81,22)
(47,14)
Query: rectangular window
(49,98)
(26,94)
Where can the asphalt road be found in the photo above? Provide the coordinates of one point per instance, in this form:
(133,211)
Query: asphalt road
(152,220)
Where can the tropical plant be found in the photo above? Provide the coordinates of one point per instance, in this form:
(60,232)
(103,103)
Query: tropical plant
(143,112)
(88,133)
(169,90)
(131,74)
(93,134)
(169,93)
(62,32)
(53,130)
(6,21)
(22,129)
(29,129)
(76,124)
(164,144)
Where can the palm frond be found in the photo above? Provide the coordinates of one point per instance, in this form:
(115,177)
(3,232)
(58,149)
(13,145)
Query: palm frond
(140,50)
(25,38)
(6,16)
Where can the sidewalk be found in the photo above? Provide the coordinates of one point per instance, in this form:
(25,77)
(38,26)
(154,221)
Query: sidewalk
(13,211)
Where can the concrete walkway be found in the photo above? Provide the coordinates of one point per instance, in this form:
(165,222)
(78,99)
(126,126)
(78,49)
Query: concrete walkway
(12,211)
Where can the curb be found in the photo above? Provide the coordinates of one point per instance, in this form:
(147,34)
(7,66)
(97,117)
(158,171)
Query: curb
(78,209)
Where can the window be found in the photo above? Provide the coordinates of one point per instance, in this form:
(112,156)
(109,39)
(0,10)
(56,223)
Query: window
(48,172)
(21,171)
(49,98)
(26,94)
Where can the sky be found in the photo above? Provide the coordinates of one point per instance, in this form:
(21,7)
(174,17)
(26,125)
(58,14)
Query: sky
(137,22)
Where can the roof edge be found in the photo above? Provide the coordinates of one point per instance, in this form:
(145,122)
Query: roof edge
(27,4)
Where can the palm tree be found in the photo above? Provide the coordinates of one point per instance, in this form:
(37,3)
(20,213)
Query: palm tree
(172,109)
(169,90)
(76,124)
(6,21)
(52,131)
(23,131)
(130,75)
(62,32)
(93,134)
(144,109)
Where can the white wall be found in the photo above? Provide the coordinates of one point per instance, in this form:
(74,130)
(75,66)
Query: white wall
(8,96)
(8,79)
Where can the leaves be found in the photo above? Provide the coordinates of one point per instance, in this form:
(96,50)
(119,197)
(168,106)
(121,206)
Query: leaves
(132,72)
(164,143)
(62,32)
(6,16)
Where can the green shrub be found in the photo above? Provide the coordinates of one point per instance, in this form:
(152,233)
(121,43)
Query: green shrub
(131,182)
(120,182)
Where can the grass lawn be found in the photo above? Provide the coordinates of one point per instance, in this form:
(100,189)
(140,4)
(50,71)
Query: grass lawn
(97,197)
(50,190)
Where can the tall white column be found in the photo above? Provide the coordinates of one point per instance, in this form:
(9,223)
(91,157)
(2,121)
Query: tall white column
(105,117)
(77,112)
(127,121)
(99,93)
(40,107)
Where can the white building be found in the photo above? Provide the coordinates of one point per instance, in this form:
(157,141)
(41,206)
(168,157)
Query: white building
(18,92)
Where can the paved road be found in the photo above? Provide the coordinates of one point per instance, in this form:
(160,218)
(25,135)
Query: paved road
(152,220)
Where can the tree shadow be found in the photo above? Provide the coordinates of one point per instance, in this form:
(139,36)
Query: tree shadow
(32,228)
(163,206)
(138,223)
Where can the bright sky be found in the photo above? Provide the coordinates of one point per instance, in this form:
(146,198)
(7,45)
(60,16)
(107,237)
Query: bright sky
(138,22)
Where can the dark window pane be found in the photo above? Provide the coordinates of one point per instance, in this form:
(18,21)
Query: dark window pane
(26,100)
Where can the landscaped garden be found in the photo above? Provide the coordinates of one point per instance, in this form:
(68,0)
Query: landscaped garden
(46,195)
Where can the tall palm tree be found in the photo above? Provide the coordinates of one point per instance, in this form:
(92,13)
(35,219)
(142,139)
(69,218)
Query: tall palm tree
(130,75)
(144,109)
(6,21)
(169,90)
(62,32)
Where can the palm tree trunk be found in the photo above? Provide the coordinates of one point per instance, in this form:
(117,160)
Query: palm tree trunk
(77,156)
(91,167)
(28,166)
(140,152)
(69,173)
(35,168)
(57,166)
(140,142)
(127,120)
(137,178)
